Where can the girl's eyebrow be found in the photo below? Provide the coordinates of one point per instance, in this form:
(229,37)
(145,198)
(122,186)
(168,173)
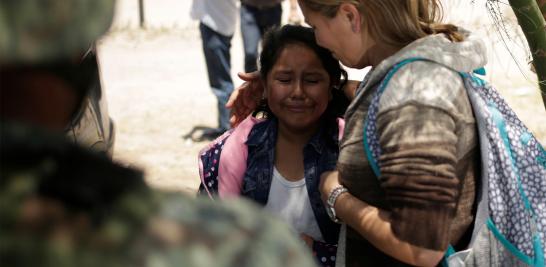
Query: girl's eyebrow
(283,71)
(314,72)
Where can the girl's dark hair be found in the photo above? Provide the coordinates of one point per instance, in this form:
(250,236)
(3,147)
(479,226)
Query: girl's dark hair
(274,42)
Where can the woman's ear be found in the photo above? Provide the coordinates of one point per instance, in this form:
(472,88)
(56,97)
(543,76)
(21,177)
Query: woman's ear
(351,13)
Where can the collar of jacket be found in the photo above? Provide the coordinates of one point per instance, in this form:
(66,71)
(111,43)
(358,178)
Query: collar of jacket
(264,135)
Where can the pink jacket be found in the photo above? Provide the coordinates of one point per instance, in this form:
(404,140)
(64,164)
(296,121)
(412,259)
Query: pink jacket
(233,160)
(233,156)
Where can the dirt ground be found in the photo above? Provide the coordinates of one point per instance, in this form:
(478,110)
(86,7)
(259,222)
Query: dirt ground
(157,89)
(157,92)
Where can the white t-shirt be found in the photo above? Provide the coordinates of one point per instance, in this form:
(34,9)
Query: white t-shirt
(290,202)
(219,15)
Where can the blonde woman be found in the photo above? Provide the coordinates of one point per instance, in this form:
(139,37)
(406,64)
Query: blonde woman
(423,199)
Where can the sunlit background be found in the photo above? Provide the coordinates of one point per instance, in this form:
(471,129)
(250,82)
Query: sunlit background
(155,80)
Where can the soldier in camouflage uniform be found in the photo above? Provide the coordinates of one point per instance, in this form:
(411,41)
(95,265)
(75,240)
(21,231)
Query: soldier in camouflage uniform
(62,205)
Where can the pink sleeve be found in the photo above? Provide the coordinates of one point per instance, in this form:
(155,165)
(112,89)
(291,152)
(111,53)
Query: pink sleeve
(341,128)
(233,160)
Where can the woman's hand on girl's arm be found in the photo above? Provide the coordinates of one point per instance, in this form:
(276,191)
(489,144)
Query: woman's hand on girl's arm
(374,225)
(246,97)
(328,181)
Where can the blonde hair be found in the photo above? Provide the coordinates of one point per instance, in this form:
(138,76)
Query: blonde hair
(394,22)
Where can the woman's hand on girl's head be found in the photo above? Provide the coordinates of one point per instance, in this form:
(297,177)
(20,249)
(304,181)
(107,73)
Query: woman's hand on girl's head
(246,97)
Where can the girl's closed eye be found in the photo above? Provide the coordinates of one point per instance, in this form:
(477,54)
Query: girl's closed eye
(313,78)
(284,78)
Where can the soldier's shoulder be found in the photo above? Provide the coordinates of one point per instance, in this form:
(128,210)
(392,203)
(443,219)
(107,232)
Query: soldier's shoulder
(61,205)
(226,233)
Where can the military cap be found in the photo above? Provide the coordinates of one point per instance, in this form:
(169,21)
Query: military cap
(37,31)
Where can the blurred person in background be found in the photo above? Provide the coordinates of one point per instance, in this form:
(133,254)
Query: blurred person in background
(88,123)
(257,16)
(62,204)
(91,125)
(217,24)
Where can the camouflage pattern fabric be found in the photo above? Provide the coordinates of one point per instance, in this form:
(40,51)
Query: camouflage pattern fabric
(64,206)
(34,31)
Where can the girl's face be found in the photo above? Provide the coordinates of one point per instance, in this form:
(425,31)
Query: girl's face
(298,88)
(343,34)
